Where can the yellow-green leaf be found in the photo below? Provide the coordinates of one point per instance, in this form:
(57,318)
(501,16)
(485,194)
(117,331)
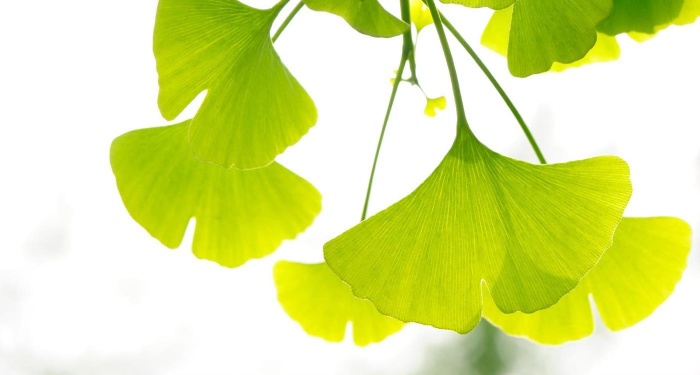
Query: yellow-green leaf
(365,16)
(318,300)
(420,15)
(528,232)
(254,108)
(432,105)
(240,214)
(632,279)
(496,35)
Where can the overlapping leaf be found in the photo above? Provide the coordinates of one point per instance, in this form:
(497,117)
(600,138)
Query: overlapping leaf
(497,33)
(529,232)
(640,15)
(240,214)
(543,32)
(254,108)
(632,279)
(316,298)
(641,19)
(365,16)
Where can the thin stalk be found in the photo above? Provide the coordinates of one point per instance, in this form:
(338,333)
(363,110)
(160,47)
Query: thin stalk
(459,103)
(287,20)
(406,55)
(497,86)
(408,47)
(395,88)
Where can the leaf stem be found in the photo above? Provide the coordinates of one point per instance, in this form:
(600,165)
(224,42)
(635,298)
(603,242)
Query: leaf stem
(459,103)
(406,53)
(497,86)
(287,20)
(395,88)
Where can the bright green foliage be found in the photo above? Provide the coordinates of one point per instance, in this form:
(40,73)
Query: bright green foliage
(641,19)
(432,105)
(365,16)
(632,279)
(318,300)
(529,231)
(687,15)
(640,15)
(543,32)
(254,108)
(496,37)
(493,4)
(240,214)
(420,15)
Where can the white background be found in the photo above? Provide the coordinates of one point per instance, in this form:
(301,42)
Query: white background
(84,290)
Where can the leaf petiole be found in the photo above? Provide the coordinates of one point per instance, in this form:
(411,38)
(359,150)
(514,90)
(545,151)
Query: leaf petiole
(462,124)
(287,20)
(497,86)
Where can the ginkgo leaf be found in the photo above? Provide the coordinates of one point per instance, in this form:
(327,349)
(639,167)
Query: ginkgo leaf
(240,214)
(318,300)
(642,16)
(365,16)
(529,232)
(689,12)
(631,280)
(432,105)
(542,32)
(420,15)
(496,35)
(254,108)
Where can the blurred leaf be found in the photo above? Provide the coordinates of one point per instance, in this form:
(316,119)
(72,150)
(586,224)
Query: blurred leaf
(434,104)
(495,37)
(318,300)
(365,16)
(420,15)
(254,108)
(632,279)
(530,232)
(240,214)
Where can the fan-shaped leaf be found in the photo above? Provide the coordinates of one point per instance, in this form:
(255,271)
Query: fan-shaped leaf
(632,279)
(240,214)
(254,108)
(530,232)
(542,32)
(496,35)
(365,16)
(318,300)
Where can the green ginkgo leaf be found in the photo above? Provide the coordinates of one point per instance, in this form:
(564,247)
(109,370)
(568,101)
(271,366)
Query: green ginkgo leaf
(365,16)
(543,32)
(496,35)
(240,214)
(254,108)
(528,232)
(689,12)
(632,279)
(318,300)
(642,16)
